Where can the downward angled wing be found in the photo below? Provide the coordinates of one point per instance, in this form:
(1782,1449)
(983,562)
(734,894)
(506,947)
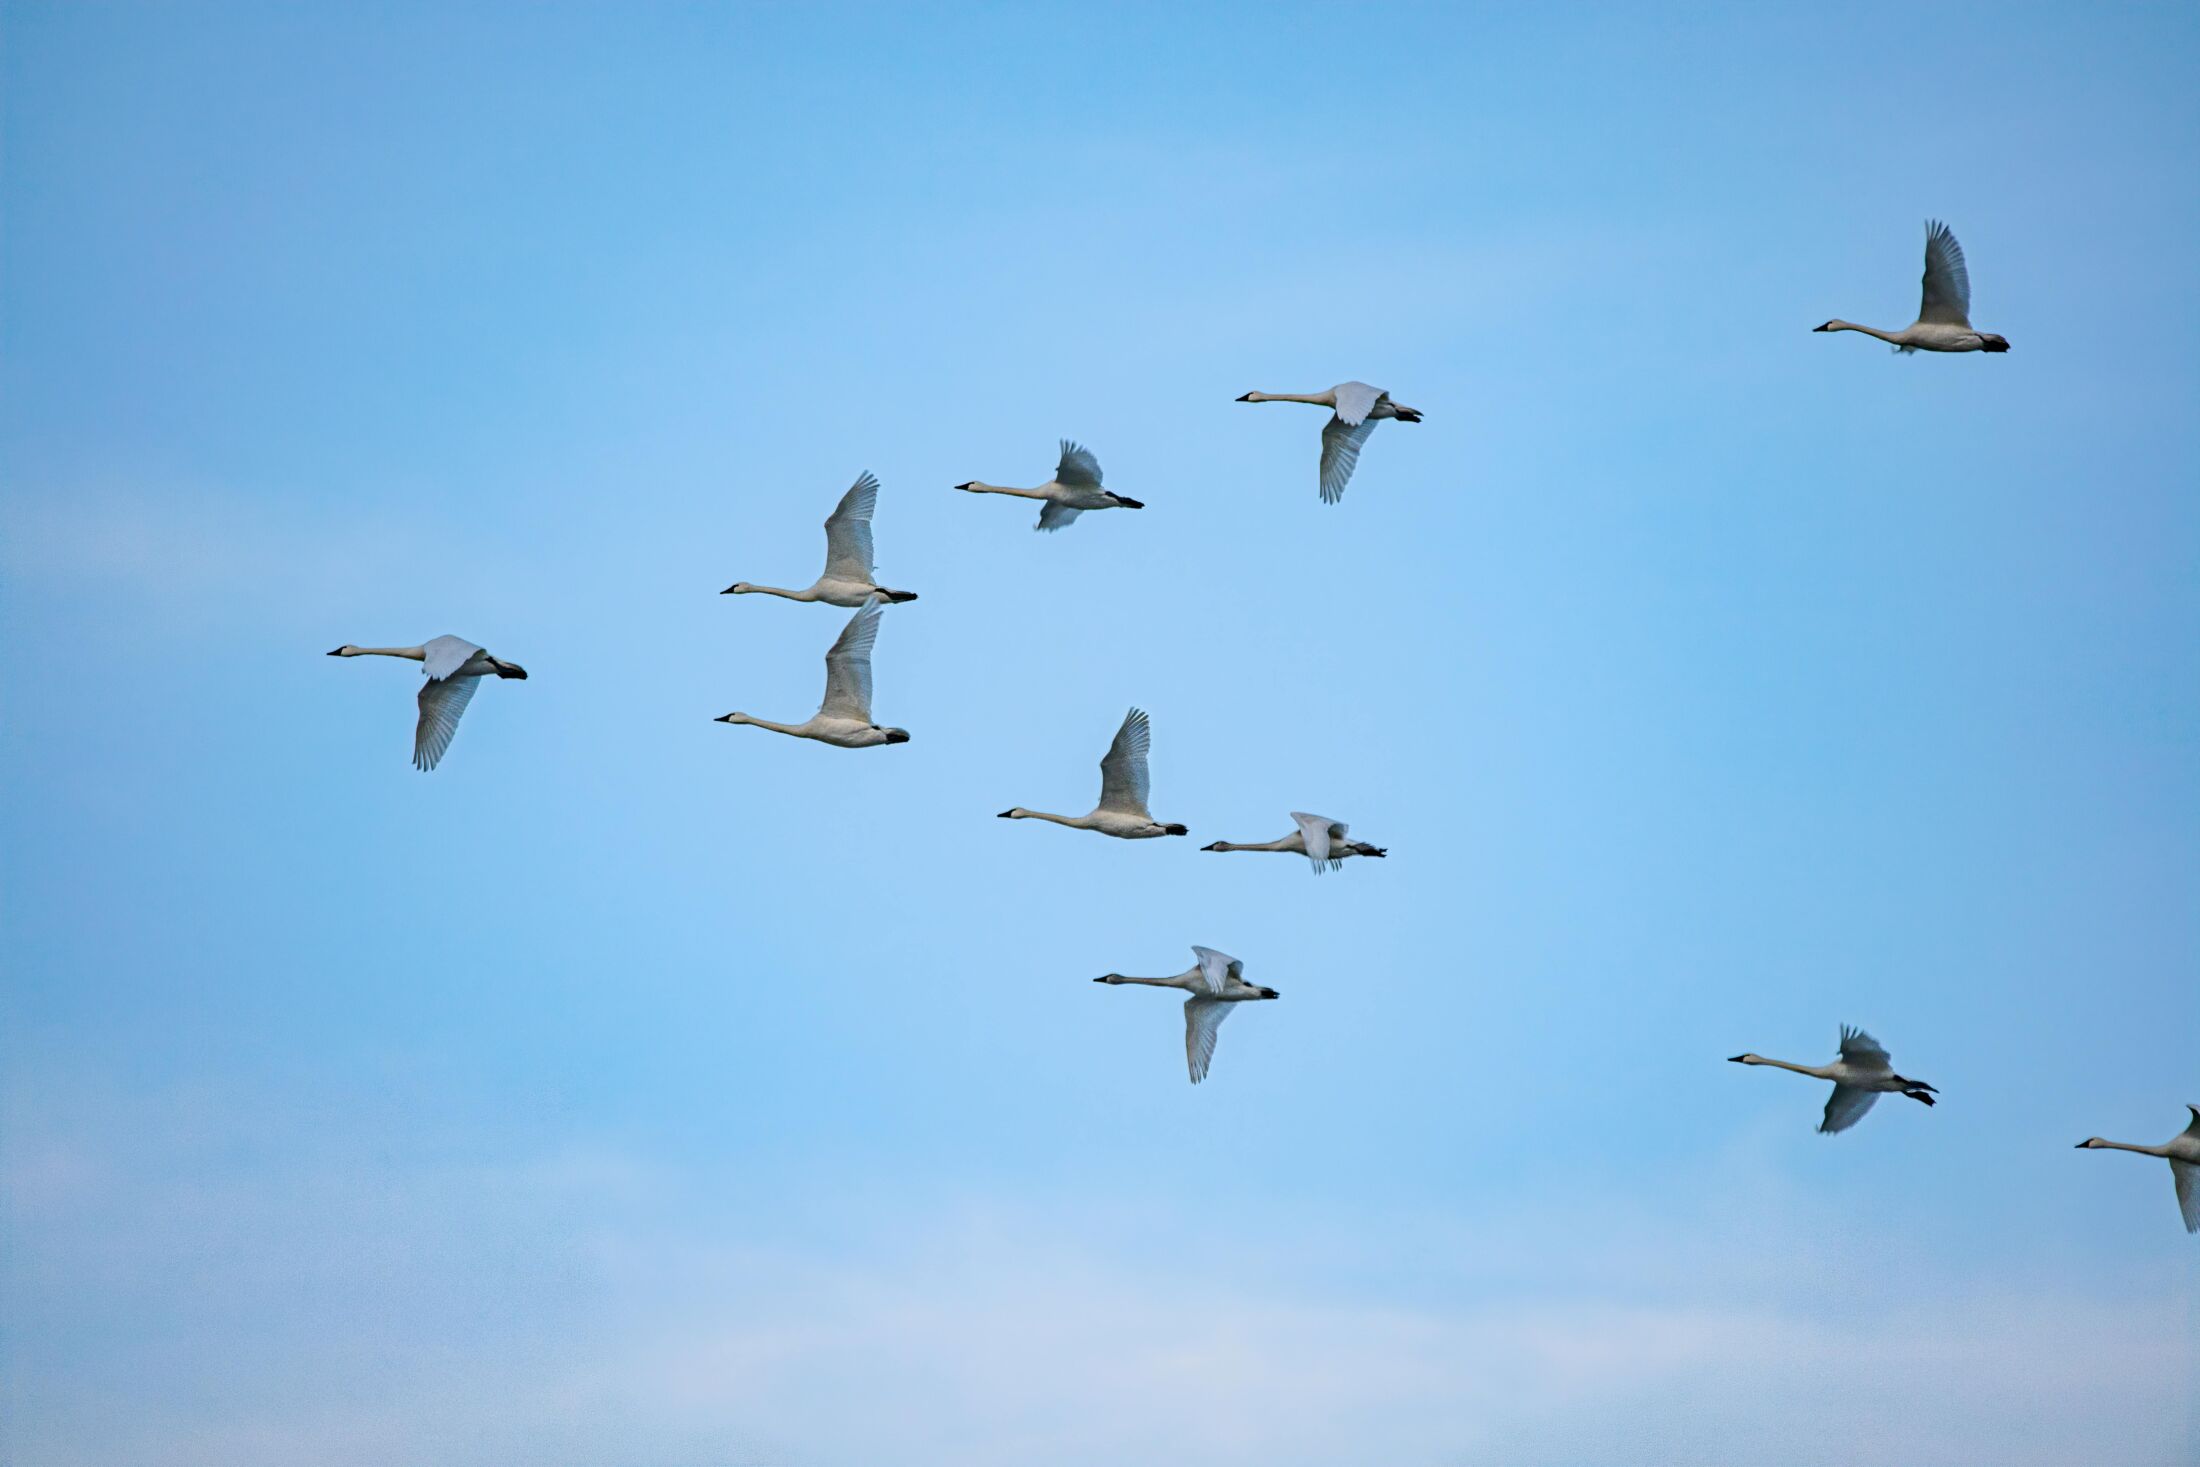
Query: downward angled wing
(1053,516)
(1202,1017)
(1341,443)
(2187,1177)
(1078,467)
(1319,832)
(1216,969)
(1124,784)
(848,533)
(446,655)
(441,703)
(1845,1107)
(848,666)
(1862,1051)
(1947,280)
(1355,400)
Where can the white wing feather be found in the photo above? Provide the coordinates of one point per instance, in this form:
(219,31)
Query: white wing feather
(442,701)
(848,533)
(1862,1051)
(1947,279)
(848,666)
(1845,1107)
(1341,444)
(2187,1178)
(1124,782)
(1202,1018)
(1053,516)
(1355,400)
(1078,467)
(1216,969)
(446,655)
(1320,833)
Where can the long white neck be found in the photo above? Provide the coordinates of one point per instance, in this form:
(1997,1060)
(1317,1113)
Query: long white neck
(1891,336)
(1075,822)
(417,654)
(1181,980)
(977,487)
(1290,843)
(1816,1072)
(797,729)
(807,593)
(1318,399)
(2097,1144)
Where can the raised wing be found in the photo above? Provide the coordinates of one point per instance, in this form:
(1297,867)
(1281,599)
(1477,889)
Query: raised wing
(1355,400)
(446,655)
(1845,1107)
(1862,1051)
(1124,783)
(1053,516)
(441,703)
(1341,444)
(1216,969)
(848,666)
(2187,1178)
(1078,467)
(848,533)
(1202,1017)
(1320,833)
(1947,280)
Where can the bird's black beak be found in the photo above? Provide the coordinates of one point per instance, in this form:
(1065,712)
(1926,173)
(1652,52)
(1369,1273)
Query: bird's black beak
(1248,397)
(730,590)
(966,486)
(1827,327)
(1003,816)
(725,718)
(1215,847)
(1735,1059)
(337,653)
(2079,1147)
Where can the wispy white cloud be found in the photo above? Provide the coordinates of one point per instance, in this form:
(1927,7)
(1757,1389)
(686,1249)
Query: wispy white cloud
(584,1307)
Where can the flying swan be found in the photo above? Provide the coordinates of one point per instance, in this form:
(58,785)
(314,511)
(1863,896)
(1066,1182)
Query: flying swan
(454,668)
(1357,409)
(1944,318)
(1124,784)
(1860,1077)
(844,718)
(2183,1153)
(1215,982)
(848,578)
(1320,839)
(1074,489)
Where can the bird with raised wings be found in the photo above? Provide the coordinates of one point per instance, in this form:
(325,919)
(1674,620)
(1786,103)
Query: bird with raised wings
(1215,982)
(844,718)
(454,668)
(1355,409)
(1862,1074)
(1944,316)
(1124,786)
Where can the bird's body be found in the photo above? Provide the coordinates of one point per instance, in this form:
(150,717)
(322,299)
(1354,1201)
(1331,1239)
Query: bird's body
(1318,838)
(453,667)
(1074,489)
(1215,982)
(1944,315)
(2182,1152)
(1124,788)
(849,578)
(844,718)
(1355,409)
(1862,1074)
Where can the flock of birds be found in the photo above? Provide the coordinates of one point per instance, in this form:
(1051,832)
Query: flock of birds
(1215,982)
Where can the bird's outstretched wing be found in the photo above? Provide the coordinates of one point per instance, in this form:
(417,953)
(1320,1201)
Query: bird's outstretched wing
(848,666)
(1862,1051)
(848,533)
(1321,835)
(1216,969)
(1202,1018)
(1078,467)
(2187,1178)
(1355,400)
(442,656)
(1124,783)
(1845,1107)
(442,700)
(1341,444)
(1947,280)
(1053,516)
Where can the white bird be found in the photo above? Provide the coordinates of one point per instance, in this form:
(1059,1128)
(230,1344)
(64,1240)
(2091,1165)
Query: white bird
(1215,982)
(1944,317)
(1860,1077)
(2183,1153)
(1124,784)
(849,576)
(844,718)
(1357,408)
(1074,489)
(1320,839)
(454,668)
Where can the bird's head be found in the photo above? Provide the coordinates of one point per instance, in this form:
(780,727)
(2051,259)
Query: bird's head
(1744,1059)
(347,650)
(967,485)
(1827,327)
(732,718)
(1250,397)
(1215,847)
(1991,342)
(1109,978)
(1015,812)
(2090,1143)
(738,588)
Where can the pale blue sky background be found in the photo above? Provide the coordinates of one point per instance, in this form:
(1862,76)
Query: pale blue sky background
(639,1092)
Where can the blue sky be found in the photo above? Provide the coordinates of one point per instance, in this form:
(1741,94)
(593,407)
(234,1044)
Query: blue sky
(637,1091)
